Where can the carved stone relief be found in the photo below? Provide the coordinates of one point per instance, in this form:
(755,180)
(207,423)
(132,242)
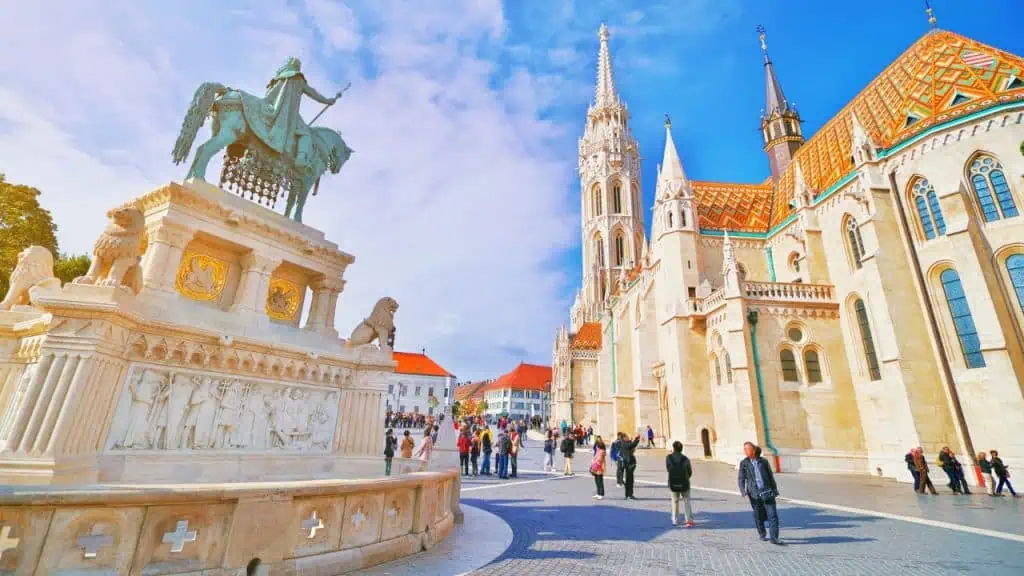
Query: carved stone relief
(165,409)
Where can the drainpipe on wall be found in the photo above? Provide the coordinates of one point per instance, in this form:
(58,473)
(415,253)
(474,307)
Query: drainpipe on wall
(771,262)
(752,318)
(947,372)
(571,386)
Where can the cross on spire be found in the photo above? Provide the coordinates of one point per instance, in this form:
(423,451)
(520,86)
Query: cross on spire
(932,21)
(605,94)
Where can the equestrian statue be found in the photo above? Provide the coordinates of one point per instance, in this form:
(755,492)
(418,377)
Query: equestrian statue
(270,148)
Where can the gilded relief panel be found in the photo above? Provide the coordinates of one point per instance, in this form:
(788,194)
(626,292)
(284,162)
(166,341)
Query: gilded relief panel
(201,277)
(283,299)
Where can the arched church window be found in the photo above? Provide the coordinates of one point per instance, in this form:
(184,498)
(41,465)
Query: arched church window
(963,322)
(620,249)
(1015,268)
(855,242)
(788,361)
(728,368)
(991,189)
(812,365)
(600,251)
(867,340)
(682,218)
(598,207)
(929,213)
(669,220)
(718,372)
(617,199)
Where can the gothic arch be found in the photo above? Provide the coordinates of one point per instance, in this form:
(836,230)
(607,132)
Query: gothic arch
(991,187)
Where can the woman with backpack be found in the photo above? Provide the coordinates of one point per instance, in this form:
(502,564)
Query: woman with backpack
(597,468)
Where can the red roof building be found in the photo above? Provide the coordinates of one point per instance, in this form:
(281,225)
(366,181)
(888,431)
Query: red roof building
(419,385)
(522,393)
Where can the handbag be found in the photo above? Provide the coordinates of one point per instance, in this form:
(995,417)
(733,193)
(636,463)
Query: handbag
(595,468)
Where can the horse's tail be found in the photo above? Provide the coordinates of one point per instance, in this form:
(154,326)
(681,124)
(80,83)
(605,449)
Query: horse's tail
(202,103)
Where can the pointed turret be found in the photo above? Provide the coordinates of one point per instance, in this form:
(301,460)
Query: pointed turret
(780,120)
(604,94)
(671,166)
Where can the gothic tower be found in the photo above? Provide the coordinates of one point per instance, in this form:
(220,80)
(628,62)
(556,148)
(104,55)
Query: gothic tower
(780,120)
(609,167)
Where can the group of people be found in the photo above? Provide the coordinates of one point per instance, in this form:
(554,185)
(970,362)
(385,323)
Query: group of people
(405,420)
(475,442)
(992,469)
(407,448)
(622,453)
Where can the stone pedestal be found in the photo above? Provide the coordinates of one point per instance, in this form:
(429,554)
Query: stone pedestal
(206,374)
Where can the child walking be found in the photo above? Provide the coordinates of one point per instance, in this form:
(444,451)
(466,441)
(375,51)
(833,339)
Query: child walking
(597,468)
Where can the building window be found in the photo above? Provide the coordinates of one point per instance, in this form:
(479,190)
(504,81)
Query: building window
(445,391)
(669,220)
(620,249)
(962,319)
(1015,267)
(600,251)
(417,391)
(391,388)
(718,372)
(430,391)
(866,340)
(415,409)
(401,408)
(682,218)
(812,365)
(926,202)
(598,208)
(789,373)
(856,243)
(987,178)
(617,199)
(728,368)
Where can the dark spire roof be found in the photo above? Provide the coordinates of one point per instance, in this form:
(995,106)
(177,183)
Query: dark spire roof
(775,101)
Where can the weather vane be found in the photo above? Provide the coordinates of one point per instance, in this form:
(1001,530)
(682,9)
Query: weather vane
(762,35)
(931,15)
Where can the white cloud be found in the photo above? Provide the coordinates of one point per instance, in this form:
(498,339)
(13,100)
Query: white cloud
(457,199)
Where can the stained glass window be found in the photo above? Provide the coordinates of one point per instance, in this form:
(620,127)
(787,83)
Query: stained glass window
(1015,267)
(929,213)
(991,189)
(867,340)
(963,322)
(856,242)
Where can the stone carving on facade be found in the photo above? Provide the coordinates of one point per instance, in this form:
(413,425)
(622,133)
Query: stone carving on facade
(166,410)
(32,274)
(118,251)
(377,326)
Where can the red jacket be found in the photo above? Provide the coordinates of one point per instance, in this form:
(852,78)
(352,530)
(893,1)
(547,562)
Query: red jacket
(463,444)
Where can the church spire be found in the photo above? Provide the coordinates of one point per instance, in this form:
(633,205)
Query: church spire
(671,166)
(605,94)
(780,120)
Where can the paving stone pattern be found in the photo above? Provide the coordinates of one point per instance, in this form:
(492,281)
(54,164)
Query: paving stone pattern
(558,529)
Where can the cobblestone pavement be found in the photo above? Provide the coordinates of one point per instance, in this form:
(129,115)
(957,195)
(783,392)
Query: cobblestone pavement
(559,529)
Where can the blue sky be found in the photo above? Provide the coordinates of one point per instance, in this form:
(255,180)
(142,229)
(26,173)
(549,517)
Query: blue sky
(461,200)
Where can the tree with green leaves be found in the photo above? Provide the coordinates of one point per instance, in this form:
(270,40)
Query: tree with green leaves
(23,223)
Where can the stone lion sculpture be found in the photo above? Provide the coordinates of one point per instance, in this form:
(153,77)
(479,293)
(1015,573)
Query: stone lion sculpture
(34,272)
(118,251)
(377,326)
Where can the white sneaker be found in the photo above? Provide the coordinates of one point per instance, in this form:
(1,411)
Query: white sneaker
(595,497)
(599,497)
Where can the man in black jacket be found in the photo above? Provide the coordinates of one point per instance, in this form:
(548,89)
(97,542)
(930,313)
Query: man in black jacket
(757,483)
(628,459)
(679,472)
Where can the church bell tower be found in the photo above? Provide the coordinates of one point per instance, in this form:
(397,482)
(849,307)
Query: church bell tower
(780,120)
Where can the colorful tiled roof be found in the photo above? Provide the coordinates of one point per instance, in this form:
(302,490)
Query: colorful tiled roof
(940,77)
(470,390)
(588,337)
(524,377)
(419,364)
(721,205)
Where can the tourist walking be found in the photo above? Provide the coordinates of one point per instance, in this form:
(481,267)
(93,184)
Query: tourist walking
(568,447)
(924,482)
(679,473)
(954,471)
(909,459)
(474,451)
(503,448)
(427,447)
(757,482)
(1002,473)
(485,449)
(515,443)
(407,444)
(463,445)
(549,452)
(627,454)
(597,467)
(617,458)
(986,468)
(389,450)
(650,436)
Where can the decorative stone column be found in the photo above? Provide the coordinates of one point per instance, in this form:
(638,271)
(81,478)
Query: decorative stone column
(251,295)
(325,302)
(167,240)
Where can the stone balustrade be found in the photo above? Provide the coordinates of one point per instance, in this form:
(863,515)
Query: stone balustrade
(788,292)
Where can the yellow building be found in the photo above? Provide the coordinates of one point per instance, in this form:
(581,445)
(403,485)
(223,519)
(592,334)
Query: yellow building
(868,297)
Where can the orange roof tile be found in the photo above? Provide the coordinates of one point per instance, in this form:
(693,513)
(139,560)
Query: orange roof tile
(940,77)
(470,390)
(420,364)
(588,337)
(524,377)
(722,206)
